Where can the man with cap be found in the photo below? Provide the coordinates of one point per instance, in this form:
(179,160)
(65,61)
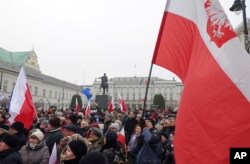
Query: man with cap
(35,151)
(95,138)
(9,150)
(17,129)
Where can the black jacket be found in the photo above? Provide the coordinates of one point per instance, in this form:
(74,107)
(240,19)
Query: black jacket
(11,156)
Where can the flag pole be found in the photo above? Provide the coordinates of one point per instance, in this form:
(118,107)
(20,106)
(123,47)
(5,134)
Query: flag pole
(146,94)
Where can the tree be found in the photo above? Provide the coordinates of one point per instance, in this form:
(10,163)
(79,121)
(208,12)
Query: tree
(159,101)
(73,101)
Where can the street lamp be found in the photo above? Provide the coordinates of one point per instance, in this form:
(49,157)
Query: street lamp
(237,7)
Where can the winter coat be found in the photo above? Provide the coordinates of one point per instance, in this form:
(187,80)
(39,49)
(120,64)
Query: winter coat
(150,149)
(52,137)
(130,124)
(38,155)
(96,145)
(21,139)
(11,156)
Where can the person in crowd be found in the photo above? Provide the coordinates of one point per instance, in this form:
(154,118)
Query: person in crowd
(72,119)
(149,146)
(107,122)
(44,126)
(111,149)
(76,149)
(17,129)
(114,127)
(70,134)
(54,134)
(9,150)
(93,158)
(130,124)
(35,151)
(96,140)
(132,143)
(84,128)
(169,153)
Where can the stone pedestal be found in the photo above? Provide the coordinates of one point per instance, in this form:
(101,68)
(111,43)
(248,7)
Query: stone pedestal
(102,101)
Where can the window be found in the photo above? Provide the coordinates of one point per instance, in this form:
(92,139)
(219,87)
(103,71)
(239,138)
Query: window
(44,92)
(5,85)
(36,91)
(55,94)
(50,94)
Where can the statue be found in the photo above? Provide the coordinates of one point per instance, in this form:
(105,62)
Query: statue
(104,84)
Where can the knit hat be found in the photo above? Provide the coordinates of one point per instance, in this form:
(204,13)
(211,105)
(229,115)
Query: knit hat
(78,147)
(110,136)
(71,128)
(97,131)
(119,123)
(93,158)
(10,140)
(18,126)
(114,125)
(55,122)
(4,127)
(38,134)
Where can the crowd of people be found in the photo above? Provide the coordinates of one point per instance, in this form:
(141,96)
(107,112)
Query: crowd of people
(149,137)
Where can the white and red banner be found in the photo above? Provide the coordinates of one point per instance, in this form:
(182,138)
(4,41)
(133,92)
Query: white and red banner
(111,106)
(122,103)
(197,42)
(87,110)
(21,106)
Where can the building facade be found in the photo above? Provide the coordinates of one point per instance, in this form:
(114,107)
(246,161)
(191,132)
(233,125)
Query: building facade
(133,89)
(46,91)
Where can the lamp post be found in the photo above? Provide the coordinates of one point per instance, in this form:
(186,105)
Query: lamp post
(237,7)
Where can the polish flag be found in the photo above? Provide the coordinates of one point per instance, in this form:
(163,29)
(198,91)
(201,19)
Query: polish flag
(87,110)
(121,137)
(53,156)
(111,106)
(77,106)
(122,103)
(21,106)
(197,42)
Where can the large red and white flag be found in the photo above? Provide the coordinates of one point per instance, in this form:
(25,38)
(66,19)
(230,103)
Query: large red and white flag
(111,106)
(197,42)
(87,110)
(21,106)
(122,103)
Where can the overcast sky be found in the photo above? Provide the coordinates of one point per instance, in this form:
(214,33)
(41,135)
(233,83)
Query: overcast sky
(79,40)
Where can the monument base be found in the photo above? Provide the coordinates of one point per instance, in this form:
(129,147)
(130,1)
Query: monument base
(102,101)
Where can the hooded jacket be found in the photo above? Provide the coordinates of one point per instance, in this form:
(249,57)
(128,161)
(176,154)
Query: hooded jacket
(38,155)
